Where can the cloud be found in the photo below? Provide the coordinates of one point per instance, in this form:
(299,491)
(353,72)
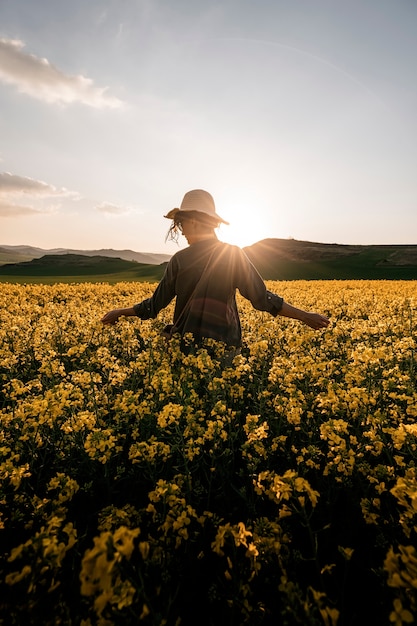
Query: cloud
(12,183)
(111,209)
(38,78)
(15,184)
(8,209)
(21,195)
(13,187)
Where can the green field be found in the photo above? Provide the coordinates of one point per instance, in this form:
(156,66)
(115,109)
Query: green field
(298,260)
(275,259)
(71,268)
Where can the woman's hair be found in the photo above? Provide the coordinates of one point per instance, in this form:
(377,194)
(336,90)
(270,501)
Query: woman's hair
(206,223)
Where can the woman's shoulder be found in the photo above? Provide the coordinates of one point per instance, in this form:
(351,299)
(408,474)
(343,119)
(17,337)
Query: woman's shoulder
(233,250)
(205,248)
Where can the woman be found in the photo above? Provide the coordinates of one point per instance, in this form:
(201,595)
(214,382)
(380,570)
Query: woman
(204,278)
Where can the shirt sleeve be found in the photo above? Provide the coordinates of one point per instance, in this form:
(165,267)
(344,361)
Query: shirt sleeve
(162,296)
(253,288)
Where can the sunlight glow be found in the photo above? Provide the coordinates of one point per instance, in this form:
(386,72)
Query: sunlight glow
(241,234)
(247,221)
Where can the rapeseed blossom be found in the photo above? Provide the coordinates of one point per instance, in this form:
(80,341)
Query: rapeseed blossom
(139,484)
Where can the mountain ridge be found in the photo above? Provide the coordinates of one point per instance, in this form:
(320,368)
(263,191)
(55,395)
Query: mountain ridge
(289,259)
(22,253)
(275,259)
(80,268)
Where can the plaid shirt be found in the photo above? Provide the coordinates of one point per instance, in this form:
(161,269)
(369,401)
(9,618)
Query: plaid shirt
(204,278)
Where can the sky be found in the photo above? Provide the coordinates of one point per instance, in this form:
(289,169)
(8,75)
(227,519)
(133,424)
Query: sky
(298,116)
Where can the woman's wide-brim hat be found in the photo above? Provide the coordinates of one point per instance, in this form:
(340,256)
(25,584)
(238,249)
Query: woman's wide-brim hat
(199,201)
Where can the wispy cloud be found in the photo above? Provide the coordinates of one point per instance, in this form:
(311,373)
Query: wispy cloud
(12,183)
(8,209)
(21,195)
(38,78)
(111,209)
(13,188)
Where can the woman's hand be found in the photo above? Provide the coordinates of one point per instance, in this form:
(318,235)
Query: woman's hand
(112,316)
(316,320)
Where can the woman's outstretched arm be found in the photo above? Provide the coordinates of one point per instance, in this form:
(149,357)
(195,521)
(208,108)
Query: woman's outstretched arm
(314,320)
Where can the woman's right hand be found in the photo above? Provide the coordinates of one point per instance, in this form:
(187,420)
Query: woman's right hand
(112,316)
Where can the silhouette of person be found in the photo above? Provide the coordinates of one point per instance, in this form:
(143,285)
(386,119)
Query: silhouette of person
(204,278)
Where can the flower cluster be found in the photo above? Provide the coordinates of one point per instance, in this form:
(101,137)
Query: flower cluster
(140,484)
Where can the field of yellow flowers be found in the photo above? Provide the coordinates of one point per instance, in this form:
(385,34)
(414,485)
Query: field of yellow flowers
(140,485)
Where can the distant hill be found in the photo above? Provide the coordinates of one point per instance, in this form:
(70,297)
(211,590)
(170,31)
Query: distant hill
(275,259)
(79,268)
(18,254)
(289,259)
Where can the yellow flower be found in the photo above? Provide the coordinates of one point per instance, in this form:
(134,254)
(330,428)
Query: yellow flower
(170,414)
(400,615)
(123,539)
(347,553)
(16,577)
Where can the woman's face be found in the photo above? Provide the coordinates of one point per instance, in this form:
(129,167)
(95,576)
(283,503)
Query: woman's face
(193,229)
(186,227)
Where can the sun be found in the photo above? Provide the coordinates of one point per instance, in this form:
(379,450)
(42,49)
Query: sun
(241,234)
(247,225)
